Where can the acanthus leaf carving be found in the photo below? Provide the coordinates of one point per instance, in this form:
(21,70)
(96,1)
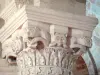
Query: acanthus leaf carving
(49,60)
(24,39)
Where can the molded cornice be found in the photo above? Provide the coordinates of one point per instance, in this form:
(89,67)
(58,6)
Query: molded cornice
(30,13)
(60,18)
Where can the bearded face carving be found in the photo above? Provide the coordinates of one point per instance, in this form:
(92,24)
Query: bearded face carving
(59,41)
(74,45)
(30,32)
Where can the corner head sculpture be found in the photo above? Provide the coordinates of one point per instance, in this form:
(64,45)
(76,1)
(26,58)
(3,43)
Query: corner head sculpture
(37,43)
(29,32)
(28,36)
(33,35)
(79,45)
(39,59)
(59,41)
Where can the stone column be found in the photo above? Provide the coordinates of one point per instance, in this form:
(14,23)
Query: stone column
(55,59)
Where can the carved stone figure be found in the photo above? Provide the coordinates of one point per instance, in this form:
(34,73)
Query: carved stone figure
(52,60)
(79,45)
(59,41)
(41,59)
(12,47)
(33,33)
(28,36)
(37,43)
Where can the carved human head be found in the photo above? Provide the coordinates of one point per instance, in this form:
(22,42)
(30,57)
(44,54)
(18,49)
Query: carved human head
(33,32)
(76,46)
(30,31)
(60,38)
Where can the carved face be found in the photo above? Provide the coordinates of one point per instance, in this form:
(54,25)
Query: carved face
(76,47)
(60,39)
(33,32)
(30,32)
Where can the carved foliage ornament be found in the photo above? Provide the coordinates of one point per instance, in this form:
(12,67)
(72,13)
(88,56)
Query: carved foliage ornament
(49,61)
(53,60)
(25,38)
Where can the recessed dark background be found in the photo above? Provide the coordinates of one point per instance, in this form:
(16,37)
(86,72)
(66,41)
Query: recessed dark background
(81,1)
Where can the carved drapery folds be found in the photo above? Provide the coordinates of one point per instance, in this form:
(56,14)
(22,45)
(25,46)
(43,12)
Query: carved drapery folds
(59,41)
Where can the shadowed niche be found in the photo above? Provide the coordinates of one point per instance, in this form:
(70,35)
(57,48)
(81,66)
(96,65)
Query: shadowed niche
(81,1)
(2,22)
(12,60)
